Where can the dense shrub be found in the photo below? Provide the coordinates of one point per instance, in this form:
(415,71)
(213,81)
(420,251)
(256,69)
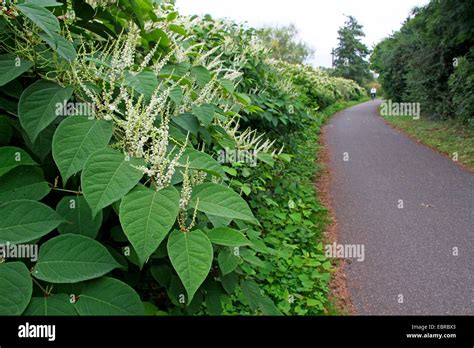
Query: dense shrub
(417,63)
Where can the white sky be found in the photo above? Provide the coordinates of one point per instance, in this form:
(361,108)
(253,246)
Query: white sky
(316,20)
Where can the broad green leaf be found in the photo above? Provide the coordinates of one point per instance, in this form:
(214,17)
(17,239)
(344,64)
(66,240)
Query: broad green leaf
(147,216)
(12,157)
(204,113)
(44,3)
(188,122)
(172,16)
(23,182)
(60,44)
(229,282)
(256,300)
(176,95)
(78,216)
(150,308)
(144,82)
(228,237)
(42,145)
(195,305)
(108,296)
(119,257)
(40,16)
(11,67)
(71,258)
(75,139)
(162,274)
(59,304)
(5,131)
(175,290)
(23,221)
(221,201)
(213,303)
(191,256)
(227,261)
(218,221)
(37,106)
(16,288)
(159,36)
(201,161)
(108,175)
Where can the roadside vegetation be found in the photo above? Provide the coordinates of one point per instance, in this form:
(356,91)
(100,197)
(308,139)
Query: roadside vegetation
(448,137)
(162,163)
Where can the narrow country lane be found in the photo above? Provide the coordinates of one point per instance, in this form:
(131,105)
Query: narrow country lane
(419,258)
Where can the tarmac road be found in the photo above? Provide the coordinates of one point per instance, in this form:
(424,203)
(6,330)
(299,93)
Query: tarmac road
(410,265)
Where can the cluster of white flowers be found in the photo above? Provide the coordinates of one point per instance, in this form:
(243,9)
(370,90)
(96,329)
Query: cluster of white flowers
(248,139)
(135,127)
(101,3)
(161,163)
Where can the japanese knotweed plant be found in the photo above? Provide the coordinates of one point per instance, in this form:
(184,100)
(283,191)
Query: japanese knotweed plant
(113,116)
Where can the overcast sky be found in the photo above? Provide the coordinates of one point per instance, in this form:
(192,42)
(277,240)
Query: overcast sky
(316,20)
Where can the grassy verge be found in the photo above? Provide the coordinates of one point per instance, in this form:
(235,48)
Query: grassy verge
(448,137)
(294,222)
(339,106)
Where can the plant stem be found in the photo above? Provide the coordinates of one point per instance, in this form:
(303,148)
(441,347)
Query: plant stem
(64,190)
(39,285)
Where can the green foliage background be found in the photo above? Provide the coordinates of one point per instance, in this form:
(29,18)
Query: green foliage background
(131,209)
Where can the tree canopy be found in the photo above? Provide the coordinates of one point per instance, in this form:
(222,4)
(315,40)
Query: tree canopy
(430,60)
(284,44)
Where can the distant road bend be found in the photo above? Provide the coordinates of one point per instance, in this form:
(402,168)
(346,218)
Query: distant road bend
(419,259)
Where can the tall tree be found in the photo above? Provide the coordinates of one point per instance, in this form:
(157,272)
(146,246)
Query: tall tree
(430,60)
(351,53)
(284,44)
